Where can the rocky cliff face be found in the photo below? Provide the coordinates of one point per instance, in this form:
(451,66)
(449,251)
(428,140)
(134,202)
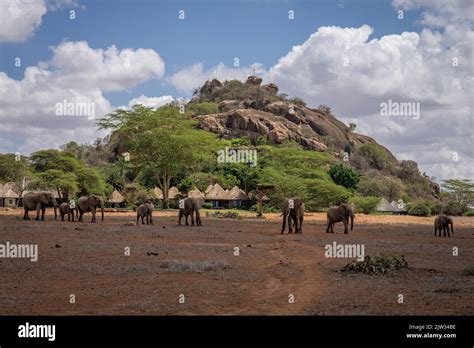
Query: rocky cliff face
(255,110)
(264,114)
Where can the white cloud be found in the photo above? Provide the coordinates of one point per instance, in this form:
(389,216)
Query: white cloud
(152,102)
(20,18)
(78,74)
(194,76)
(409,67)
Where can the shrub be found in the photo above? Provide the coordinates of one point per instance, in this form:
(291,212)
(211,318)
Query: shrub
(204,108)
(375,156)
(343,175)
(207,206)
(469,213)
(468,271)
(365,205)
(376,265)
(419,209)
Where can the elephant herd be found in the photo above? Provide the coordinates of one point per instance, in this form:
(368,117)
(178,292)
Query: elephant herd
(292,212)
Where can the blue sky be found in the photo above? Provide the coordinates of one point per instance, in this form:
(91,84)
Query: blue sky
(212,32)
(402,60)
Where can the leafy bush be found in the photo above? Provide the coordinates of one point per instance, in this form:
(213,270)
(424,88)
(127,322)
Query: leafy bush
(344,175)
(323,193)
(365,205)
(207,206)
(419,209)
(375,156)
(203,108)
(380,264)
(469,213)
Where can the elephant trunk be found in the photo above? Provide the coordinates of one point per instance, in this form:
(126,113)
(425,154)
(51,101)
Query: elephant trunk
(352,221)
(452,230)
(55,213)
(102,209)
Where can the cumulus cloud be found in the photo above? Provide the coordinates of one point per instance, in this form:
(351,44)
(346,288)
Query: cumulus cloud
(151,102)
(193,76)
(76,75)
(19,19)
(344,68)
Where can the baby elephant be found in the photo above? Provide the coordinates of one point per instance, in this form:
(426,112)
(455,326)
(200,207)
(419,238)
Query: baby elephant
(145,210)
(190,206)
(65,208)
(442,222)
(293,211)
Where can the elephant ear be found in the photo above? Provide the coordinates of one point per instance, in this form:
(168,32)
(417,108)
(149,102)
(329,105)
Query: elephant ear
(43,198)
(343,208)
(92,200)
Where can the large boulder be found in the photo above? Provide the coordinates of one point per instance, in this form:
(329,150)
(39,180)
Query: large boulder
(253,81)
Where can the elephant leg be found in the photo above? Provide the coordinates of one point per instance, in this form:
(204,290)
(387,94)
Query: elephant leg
(147,219)
(332,227)
(93,215)
(186,217)
(345,222)
(38,209)
(180,216)
(25,215)
(151,219)
(328,224)
(290,224)
(62,217)
(283,225)
(72,215)
(81,215)
(301,224)
(192,218)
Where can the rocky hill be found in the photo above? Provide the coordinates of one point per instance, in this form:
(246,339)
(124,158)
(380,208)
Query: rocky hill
(258,111)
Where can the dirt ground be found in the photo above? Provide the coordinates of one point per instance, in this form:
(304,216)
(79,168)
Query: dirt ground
(89,261)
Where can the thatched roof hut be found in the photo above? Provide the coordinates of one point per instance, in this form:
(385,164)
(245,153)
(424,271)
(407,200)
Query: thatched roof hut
(385,206)
(158,193)
(173,193)
(8,190)
(116,197)
(216,193)
(237,194)
(196,194)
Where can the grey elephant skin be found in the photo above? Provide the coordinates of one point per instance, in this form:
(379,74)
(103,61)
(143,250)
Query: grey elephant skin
(38,201)
(294,215)
(87,204)
(65,209)
(443,222)
(343,213)
(191,207)
(145,210)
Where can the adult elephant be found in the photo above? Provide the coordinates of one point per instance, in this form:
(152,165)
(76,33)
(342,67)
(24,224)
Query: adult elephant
(293,211)
(190,206)
(90,204)
(38,201)
(338,214)
(443,222)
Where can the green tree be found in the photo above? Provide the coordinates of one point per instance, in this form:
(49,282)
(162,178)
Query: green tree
(345,176)
(162,141)
(65,184)
(365,204)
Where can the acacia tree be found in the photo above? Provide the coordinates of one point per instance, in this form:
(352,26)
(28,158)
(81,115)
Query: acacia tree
(162,142)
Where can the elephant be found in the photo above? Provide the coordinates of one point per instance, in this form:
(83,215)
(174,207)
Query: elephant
(338,214)
(90,204)
(293,210)
(442,222)
(38,201)
(189,206)
(145,210)
(66,209)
